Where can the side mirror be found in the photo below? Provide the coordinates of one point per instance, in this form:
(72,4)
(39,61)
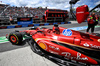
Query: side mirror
(82,13)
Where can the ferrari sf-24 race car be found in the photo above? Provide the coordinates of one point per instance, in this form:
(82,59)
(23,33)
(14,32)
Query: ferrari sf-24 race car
(61,43)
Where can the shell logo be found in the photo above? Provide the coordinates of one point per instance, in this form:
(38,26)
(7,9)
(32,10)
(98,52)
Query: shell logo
(42,45)
(98,40)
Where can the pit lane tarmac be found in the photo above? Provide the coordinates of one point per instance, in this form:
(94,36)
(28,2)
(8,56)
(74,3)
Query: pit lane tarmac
(11,55)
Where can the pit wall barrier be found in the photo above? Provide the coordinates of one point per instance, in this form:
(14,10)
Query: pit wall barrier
(31,25)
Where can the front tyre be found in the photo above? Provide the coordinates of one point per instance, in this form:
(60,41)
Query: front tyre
(15,38)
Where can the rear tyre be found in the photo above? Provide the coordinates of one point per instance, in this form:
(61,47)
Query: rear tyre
(15,38)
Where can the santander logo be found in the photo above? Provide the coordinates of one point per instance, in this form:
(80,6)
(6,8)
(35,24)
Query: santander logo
(91,46)
(86,45)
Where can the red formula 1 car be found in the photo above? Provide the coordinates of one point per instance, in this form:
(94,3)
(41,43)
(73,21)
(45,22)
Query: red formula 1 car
(61,45)
(69,45)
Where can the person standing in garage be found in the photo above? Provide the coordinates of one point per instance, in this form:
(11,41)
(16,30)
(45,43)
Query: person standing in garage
(92,21)
(11,19)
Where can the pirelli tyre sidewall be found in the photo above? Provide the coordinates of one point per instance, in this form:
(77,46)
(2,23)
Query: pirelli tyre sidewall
(15,38)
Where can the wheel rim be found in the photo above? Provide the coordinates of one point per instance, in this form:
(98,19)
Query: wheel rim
(13,39)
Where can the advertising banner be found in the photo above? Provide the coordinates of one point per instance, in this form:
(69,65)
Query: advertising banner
(24,20)
(11,26)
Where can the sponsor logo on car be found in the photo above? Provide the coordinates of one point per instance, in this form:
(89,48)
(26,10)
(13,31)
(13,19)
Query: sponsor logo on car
(53,47)
(53,52)
(67,32)
(98,40)
(91,46)
(43,45)
(80,12)
(94,46)
(77,57)
(86,45)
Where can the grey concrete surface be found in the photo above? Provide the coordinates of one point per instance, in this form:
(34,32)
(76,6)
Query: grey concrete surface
(23,57)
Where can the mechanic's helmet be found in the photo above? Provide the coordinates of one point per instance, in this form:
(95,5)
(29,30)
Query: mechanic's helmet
(56,29)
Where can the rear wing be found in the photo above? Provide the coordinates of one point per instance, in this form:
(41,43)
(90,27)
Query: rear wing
(82,13)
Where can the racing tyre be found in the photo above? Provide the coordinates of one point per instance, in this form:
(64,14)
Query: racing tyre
(15,38)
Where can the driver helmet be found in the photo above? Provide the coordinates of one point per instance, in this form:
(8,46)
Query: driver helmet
(56,29)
